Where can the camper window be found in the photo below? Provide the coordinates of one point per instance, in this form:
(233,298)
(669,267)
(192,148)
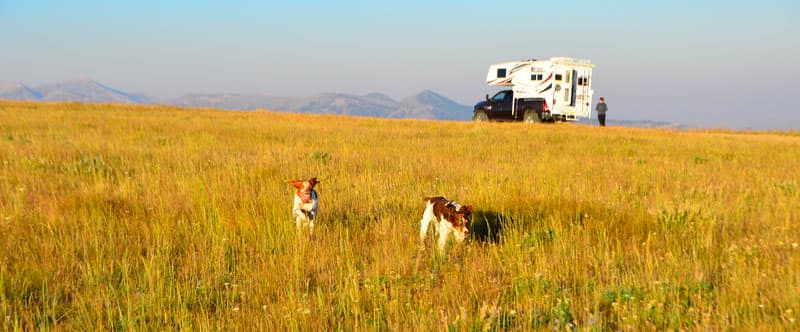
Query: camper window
(567,76)
(501,72)
(558,77)
(536,77)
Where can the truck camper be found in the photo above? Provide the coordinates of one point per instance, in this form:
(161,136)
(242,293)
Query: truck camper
(558,89)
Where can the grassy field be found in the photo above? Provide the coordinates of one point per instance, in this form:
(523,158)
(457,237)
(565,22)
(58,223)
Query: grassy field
(159,218)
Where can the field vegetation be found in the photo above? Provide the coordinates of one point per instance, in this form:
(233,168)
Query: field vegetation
(117,217)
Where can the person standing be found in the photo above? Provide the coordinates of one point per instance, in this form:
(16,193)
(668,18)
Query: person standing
(601,112)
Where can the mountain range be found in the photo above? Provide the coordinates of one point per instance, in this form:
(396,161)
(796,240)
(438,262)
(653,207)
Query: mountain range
(424,105)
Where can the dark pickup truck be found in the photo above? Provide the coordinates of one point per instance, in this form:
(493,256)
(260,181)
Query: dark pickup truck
(499,108)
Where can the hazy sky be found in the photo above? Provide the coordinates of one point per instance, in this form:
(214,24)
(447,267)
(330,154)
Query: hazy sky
(718,63)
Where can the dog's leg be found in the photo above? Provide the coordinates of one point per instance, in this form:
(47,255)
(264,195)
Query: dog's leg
(299,217)
(427,217)
(443,231)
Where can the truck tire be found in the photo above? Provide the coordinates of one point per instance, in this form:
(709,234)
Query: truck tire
(480,116)
(531,116)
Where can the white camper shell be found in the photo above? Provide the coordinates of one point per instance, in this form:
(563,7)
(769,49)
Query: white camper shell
(564,84)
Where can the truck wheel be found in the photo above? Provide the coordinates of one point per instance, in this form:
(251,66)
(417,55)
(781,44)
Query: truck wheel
(480,116)
(531,116)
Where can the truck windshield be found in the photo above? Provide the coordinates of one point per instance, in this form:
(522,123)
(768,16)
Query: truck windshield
(499,96)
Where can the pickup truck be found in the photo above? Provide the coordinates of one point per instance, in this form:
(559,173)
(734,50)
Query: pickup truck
(498,108)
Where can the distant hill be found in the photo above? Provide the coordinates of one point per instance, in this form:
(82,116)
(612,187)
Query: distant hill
(424,105)
(430,105)
(18,91)
(637,123)
(83,90)
(231,101)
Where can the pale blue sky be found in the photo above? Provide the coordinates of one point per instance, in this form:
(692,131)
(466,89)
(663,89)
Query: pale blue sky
(719,63)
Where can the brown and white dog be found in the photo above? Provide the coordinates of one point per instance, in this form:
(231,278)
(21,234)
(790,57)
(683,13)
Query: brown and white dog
(306,202)
(448,217)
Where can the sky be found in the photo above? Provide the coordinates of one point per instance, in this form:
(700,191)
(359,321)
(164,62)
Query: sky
(721,64)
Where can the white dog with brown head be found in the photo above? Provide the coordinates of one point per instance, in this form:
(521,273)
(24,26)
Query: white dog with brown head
(306,202)
(448,217)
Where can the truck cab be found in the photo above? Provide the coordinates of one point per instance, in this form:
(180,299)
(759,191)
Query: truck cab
(497,107)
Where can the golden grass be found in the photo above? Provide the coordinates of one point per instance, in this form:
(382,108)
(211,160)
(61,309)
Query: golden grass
(159,218)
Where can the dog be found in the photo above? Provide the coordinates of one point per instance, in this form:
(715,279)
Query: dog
(306,203)
(448,217)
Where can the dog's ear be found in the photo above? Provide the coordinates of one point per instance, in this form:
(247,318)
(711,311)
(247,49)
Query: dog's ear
(468,208)
(313,182)
(296,183)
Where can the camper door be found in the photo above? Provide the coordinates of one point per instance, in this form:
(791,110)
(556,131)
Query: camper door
(583,95)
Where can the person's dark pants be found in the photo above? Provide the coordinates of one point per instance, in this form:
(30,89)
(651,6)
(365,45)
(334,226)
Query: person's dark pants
(602,119)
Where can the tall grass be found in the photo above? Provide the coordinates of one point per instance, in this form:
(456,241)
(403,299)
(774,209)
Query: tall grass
(158,218)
